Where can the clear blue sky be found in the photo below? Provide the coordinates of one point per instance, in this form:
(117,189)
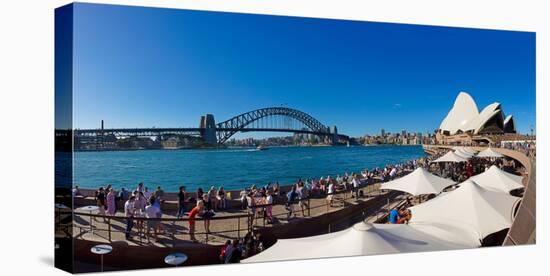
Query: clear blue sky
(144,67)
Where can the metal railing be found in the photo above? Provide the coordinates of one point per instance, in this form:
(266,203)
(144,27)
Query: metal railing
(247,222)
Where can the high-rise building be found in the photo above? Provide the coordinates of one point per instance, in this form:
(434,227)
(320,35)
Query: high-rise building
(382,133)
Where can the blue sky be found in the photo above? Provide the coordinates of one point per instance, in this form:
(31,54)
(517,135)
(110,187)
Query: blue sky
(144,67)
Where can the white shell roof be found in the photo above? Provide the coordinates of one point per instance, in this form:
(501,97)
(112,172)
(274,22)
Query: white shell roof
(464,116)
(464,110)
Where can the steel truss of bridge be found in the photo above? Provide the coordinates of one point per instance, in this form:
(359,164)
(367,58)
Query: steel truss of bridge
(273,119)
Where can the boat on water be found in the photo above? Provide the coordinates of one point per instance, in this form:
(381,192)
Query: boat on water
(261,147)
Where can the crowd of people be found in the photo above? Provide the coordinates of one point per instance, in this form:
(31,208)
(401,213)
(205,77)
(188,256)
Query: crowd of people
(529,148)
(460,171)
(235,250)
(400,216)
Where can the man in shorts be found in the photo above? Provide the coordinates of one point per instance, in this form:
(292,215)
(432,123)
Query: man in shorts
(152,212)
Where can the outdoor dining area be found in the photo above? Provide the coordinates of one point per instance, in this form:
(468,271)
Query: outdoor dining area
(471,214)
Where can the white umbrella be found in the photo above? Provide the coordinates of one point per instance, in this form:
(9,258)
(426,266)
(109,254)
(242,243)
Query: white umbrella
(359,240)
(469,206)
(489,152)
(451,157)
(419,182)
(498,180)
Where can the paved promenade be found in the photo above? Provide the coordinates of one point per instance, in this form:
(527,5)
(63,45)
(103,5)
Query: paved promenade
(225,225)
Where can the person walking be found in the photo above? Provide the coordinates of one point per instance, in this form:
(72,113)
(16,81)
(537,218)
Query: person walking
(269,207)
(129,213)
(181,202)
(330,194)
(355,181)
(101,202)
(291,197)
(303,194)
(111,202)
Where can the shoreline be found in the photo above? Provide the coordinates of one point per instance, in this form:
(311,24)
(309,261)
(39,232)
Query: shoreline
(242,147)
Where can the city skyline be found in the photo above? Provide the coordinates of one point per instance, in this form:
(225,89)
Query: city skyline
(359,76)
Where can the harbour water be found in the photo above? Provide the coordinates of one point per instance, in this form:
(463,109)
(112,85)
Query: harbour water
(232,168)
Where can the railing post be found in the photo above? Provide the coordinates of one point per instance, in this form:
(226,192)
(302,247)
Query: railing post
(239,227)
(140,229)
(344,203)
(109,227)
(308,207)
(173,236)
(91,224)
(206,235)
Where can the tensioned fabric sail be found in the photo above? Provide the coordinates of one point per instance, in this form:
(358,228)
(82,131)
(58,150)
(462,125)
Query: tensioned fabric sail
(419,182)
(451,157)
(470,150)
(496,179)
(361,239)
(463,153)
(489,152)
(470,206)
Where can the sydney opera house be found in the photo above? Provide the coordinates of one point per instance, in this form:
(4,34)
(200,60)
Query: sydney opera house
(464,124)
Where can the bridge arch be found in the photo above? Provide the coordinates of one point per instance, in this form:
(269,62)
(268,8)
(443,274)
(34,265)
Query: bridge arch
(228,128)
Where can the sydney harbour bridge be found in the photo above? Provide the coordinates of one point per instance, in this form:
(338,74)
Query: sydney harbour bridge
(271,119)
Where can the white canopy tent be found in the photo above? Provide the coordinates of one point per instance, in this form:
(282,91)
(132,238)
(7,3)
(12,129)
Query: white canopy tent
(454,233)
(419,182)
(451,157)
(464,154)
(471,207)
(470,150)
(489,152)
(498,180)
(358,240)
(465,149)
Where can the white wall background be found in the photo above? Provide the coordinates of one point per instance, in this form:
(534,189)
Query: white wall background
(26,160)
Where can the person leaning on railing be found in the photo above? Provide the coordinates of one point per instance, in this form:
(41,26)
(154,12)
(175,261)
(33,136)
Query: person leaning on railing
(192,214)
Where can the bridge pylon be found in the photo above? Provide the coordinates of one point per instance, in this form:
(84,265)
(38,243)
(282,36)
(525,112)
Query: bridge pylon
(334,137)
(208,129)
